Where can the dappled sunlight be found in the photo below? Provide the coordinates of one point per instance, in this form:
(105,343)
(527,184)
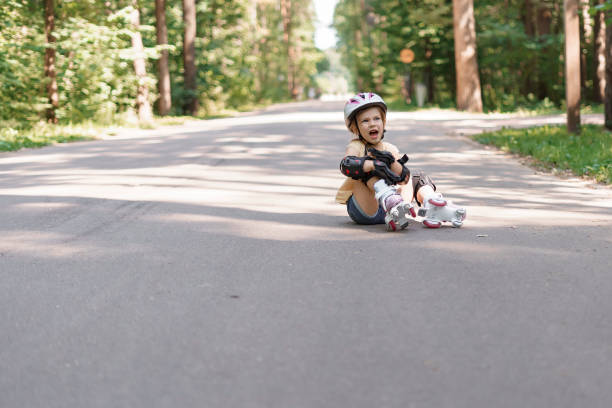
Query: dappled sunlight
(44,206)
(239,187)
(263,139)
(45,244)
(274,177)
(9,159)
(500,216)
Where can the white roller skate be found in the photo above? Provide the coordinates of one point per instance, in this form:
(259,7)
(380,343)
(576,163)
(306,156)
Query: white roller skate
(398,213)
(436,210)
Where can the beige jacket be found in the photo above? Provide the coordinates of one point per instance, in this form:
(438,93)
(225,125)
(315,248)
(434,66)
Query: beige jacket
(346,189)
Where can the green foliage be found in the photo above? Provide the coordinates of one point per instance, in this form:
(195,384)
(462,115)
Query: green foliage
(96,79)
(241,58)
(520,51)
(271,63)
(372,37)
(21,56)
(588,154)
(519,69)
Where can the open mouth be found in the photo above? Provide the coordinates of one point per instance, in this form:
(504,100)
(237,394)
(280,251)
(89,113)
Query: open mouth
(374,133)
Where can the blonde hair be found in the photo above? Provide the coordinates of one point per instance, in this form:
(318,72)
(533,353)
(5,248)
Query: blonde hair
(355,129)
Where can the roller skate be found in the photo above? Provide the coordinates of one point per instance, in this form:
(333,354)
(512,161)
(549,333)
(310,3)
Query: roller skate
(436,210)
(397,212)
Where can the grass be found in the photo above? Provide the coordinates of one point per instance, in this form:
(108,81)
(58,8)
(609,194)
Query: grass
(43,134)
(16,136)
(552,148)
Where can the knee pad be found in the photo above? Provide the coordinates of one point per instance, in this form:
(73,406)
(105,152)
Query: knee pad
(420,179)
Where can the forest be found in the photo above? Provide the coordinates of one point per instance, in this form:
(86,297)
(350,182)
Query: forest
(70,61)
(520,47)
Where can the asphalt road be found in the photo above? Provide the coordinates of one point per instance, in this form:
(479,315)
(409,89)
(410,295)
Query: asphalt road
(207,265)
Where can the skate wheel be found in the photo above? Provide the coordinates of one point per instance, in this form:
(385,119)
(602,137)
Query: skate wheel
(392,226)
(437,203)
(432,224)
(457,224)
(412,212)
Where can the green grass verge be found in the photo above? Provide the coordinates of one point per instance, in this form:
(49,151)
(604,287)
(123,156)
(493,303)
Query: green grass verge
(15,135)
(588,154)
(42,135)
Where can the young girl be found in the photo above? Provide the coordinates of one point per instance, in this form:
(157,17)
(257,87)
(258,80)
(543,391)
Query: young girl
(379,187)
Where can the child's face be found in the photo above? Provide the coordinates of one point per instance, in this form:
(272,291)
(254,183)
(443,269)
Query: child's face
(371,125)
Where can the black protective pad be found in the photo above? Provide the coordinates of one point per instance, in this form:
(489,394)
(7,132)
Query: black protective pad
(388,159)
(352,166)
(383,156)
(383,171)
(420,179)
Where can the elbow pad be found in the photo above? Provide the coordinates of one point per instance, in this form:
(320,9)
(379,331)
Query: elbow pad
(352,166)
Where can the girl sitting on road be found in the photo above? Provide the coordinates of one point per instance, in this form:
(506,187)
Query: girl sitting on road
(379,188)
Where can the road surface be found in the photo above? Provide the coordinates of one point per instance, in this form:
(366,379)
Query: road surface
(207,265)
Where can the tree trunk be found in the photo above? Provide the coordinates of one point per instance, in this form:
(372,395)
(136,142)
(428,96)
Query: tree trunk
(527,17)
(530,65)
(163,83)
(586,38)
(358,44)
(608,94)
(143,106)
(599,84)
(287,16)
(572,65)
(466,64)
(189,18)
(543,28)
(49,67)
(429,75)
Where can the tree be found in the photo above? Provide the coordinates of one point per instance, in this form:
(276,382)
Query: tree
(608,95)
(50,61)
(543,28)
(163,83)
(189,62)
(586,38)
(143,106)
(287,16)
(466,65)
(572,65)
(599,88)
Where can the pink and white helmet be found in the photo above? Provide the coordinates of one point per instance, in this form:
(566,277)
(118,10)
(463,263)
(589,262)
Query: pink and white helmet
(361,101)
